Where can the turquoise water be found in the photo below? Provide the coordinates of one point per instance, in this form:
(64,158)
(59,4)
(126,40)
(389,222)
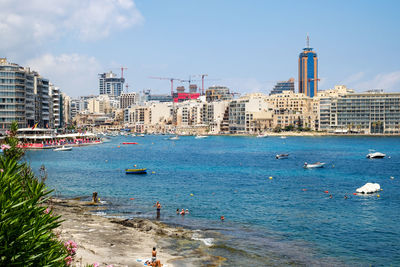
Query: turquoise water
(286,220)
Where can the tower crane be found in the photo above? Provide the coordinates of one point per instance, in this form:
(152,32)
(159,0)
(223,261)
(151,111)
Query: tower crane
(170,79)
(122,71)
(202,81)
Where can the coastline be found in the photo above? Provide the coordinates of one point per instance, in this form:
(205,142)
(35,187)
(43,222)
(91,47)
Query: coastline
(125,242)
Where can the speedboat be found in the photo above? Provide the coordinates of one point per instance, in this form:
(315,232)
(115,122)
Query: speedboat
(262,136)
(63,148)
(200,136)
(282,156)
(135,171)
(174,137)
(313,165)
(376,155)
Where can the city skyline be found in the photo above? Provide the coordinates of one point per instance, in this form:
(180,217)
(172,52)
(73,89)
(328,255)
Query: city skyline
(245,47)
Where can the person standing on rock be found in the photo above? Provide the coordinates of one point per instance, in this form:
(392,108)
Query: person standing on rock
(158,206)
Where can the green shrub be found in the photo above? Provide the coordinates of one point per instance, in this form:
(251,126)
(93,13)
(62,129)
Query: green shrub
(26,225)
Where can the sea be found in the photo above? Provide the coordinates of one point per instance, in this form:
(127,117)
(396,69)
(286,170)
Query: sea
(276,212)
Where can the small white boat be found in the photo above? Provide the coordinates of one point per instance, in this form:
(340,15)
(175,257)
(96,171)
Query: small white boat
(140,135)
(200,136)
(262,136)
(313,165)
(369,188)
(174,138)
(282,156)
(376,155)
(283,137)
(63,148)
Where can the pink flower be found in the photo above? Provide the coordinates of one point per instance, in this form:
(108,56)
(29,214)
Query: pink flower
(96,264)
(5,146)
(68,260)
(1,170)
(47,210)
(110,265)
(8,132)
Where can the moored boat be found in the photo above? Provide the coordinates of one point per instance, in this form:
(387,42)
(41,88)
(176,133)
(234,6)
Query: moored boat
(174,138)
(262,135)
(136,171)
(282,156)
(63,148)
(313,165)
(376,155)
(200,136)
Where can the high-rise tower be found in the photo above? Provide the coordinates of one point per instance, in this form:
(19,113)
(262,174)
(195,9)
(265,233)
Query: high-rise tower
(308,71)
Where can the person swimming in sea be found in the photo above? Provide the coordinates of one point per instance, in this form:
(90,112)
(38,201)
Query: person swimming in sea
(158,205)
(177,211)
(182,212)
(186,211)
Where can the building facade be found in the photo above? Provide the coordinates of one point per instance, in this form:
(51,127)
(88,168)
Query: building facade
(284,86)
(308,71)
(128,99)
(110,84)
(218,93)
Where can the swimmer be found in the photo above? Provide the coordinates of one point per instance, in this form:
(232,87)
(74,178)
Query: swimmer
(330,196)
(345,196)
(182,212)
(222,218)
(177,211)
(187,211)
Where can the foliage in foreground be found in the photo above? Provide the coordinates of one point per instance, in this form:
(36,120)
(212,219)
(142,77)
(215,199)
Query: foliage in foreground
(26,226)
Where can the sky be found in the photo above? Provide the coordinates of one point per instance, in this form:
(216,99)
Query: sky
(245,45)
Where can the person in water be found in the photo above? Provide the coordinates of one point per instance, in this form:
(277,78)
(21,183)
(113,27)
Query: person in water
(222,218)
(186,211)
(158,206)
(183,212)
(177,211)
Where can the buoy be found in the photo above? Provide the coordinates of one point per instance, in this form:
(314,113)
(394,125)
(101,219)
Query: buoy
(326,191)
(106,160)
(378,195)
(191,194)
(118,146)
(304,189)
(153,172)
(355,194)
(134,165)
(99,199)
(270,177)
(132,198)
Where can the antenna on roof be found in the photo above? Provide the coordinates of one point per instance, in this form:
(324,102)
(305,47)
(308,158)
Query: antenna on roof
(308,41)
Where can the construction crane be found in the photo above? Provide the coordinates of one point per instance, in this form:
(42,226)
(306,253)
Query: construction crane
(170,79)
(202,81)
(122,71)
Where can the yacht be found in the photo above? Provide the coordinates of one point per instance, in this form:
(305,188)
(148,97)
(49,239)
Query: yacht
(63,148)
(174,137)
(376,155)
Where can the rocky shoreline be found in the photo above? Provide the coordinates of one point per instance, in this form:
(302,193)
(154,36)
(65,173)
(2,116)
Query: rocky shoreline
(125,242)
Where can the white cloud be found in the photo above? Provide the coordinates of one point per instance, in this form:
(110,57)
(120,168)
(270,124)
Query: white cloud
(30,24)
(75,74)
(386,81)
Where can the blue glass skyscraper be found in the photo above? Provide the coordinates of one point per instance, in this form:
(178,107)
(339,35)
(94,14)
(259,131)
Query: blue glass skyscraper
(308,71)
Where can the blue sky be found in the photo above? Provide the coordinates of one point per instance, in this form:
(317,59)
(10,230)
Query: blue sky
(246,45)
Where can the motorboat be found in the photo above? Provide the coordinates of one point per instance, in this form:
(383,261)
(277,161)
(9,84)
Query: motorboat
(376,155)
(140,135)
(174,137)
(313,165)
(262,136)
(135,171)
(63,148)
(282,156)
(200,136)
(283,137)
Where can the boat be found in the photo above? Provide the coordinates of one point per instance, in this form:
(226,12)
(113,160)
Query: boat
(63,148)
(135,171)
(174,137)
(282,156)
(262,136)
(376,155)
(313,165)
(140,135)
(200,136)
(283,137)
(129,143)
